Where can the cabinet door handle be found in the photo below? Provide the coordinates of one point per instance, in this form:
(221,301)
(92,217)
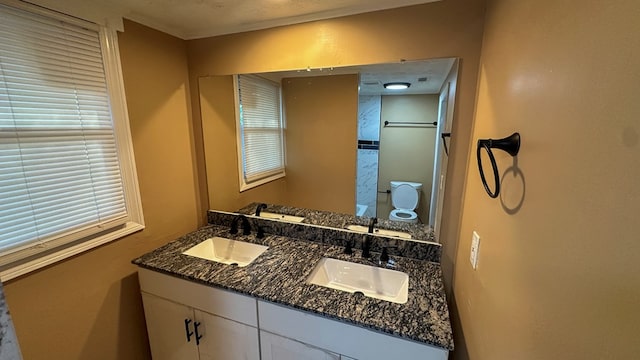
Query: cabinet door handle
(186,329)
(198,336)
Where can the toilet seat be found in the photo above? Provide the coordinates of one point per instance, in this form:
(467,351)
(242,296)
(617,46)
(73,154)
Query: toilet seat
(403,215)
(404,199)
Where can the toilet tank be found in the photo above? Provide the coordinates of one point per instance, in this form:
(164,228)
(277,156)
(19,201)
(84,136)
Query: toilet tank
(417,186)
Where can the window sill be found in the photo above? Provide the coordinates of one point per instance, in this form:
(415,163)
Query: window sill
(14,271)
(247,186)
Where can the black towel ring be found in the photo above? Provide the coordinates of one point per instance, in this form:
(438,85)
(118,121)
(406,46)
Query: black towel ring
(510,144)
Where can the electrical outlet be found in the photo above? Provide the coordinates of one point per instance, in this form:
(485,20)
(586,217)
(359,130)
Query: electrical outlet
(475,250)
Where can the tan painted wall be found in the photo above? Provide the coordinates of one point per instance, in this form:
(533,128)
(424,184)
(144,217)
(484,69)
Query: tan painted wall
(451,28)
(219,128)
(321,139)
(407,153)
(560,278)
(89,306)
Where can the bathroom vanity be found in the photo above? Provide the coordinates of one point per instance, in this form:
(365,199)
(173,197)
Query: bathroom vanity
(269,310)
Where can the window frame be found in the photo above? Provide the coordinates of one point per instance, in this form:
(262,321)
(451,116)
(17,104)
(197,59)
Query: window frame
(243,183)
(82,241)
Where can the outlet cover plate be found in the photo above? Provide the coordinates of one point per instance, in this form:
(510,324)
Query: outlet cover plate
(475,249)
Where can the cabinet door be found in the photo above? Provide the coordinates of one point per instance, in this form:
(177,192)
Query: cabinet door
(274,347)
(166,329)
(223,339)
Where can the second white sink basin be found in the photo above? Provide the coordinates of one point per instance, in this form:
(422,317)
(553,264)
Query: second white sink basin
(227,251)
(384,232)
(290,218)
(372,281)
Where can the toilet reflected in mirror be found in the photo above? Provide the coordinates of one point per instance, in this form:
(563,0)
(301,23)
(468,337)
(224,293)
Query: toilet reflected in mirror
(405,197)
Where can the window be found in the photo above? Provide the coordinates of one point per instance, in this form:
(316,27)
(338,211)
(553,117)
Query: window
(259,128)
(67,176)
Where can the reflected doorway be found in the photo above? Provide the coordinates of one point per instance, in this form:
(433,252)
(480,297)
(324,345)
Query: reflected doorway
(399,135)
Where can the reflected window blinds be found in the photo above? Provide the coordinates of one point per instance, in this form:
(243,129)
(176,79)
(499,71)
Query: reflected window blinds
(261,128)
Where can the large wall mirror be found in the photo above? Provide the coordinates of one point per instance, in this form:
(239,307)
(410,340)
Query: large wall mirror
(347,138)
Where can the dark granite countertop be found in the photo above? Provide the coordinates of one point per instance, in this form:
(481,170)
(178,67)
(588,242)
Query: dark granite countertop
(279,276)
(341,221)
(9,348)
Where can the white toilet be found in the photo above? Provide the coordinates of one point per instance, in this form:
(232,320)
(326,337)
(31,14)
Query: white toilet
(404,197)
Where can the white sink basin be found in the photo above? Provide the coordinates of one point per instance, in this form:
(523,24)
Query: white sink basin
(290,218)
(372,281)
(227,251)
(365,229)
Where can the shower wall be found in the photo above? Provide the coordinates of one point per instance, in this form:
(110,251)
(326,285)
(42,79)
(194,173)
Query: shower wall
(368,150)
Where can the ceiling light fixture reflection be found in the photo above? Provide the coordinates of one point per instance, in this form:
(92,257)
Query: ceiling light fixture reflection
(397,85)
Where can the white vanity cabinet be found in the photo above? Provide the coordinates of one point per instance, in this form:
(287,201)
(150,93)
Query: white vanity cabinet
(166,335)
(186,320)
(337,337)
(274,347)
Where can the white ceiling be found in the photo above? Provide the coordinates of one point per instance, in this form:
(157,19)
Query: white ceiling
(425,77)
(191,19)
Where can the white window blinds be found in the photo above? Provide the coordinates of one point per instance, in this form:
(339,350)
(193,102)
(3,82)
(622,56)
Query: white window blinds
(260,127)
(59,171)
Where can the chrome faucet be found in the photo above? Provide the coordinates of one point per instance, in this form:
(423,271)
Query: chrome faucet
(372,223)
(260,208)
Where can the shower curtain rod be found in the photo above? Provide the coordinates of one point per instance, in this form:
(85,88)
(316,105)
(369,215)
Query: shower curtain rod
(410,124)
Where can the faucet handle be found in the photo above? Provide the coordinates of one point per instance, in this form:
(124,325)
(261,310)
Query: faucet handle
(234,226)
(348,247)
(260,232)
(384,257)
